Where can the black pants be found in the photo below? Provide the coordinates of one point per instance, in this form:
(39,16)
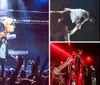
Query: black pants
(2,62)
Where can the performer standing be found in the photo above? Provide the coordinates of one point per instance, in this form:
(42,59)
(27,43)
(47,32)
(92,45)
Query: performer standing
(3,53)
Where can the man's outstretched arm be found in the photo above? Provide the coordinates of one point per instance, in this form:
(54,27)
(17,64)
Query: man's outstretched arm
(61,12)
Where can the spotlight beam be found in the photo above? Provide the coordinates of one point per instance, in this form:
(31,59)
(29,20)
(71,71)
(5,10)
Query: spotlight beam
(22,7)
(3,4)
(61,50)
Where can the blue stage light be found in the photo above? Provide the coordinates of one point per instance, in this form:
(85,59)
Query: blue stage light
(43,1)
(3,4)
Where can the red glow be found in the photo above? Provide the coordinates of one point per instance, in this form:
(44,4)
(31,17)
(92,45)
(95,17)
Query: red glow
(61,62)
(80,74)
(60,50)
(89,59)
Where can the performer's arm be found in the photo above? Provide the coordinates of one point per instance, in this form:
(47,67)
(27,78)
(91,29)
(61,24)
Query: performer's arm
(67,9)
(63,11)
(59,12)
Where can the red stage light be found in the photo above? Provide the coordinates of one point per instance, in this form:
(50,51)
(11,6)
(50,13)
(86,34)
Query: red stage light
(61,62)
(61,50)
(88,58)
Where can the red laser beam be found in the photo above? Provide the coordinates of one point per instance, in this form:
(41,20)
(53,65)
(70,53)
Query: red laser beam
(61,50)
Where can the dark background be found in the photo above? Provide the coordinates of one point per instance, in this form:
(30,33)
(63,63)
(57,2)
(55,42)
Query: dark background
(89,31)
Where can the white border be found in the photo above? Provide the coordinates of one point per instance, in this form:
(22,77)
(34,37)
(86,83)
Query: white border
(49,42)
(75,42)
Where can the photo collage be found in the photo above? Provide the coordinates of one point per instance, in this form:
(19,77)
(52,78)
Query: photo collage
(49,42)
